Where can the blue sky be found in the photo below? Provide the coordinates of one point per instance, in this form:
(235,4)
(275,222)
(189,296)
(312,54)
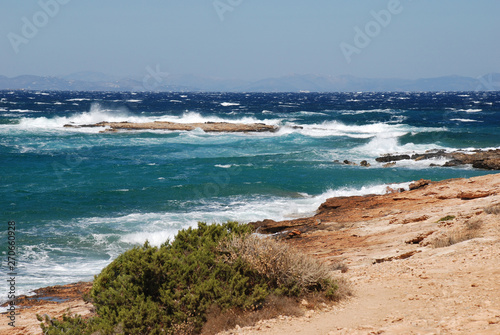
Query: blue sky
(251,39)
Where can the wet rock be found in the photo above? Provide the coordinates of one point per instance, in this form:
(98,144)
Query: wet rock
(487,164)
(389,165)
(365,164)
(392,158)
(454,162)
(346,162)
(479,159)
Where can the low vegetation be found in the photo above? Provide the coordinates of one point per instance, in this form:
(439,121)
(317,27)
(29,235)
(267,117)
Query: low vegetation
(470,231)
(199,282)
(447,218)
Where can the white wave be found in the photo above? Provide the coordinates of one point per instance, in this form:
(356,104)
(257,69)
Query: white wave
(311,113)
(335,128)
(388,142)
(227,104)
(365,111)
(158,227)
(134,100)
(465,120)
(98,114)
(21,110)
(79,99)
(471,110)
(226,166)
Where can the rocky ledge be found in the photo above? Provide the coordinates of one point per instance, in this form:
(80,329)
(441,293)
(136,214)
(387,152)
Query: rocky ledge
(164,125)
(480,159)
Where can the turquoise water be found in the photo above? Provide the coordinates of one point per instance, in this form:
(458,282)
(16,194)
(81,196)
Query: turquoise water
(80,197)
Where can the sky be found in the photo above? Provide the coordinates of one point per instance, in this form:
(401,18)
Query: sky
(251,39)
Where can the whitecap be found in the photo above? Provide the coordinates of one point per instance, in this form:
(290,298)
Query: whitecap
(465,120)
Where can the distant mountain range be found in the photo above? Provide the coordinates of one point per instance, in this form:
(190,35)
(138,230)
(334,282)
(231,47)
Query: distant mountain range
(94,81)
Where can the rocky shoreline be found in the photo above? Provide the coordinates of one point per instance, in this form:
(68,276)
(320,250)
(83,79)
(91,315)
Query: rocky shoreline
(424,261)
(479,159)
(174,126)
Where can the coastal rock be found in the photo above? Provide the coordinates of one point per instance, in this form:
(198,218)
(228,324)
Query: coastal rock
(365,164)
(388,165)
(479,159)
(392,158)
(346,162)
(164,125)
(419,184)
(453,162)
(473,195)
(487,164)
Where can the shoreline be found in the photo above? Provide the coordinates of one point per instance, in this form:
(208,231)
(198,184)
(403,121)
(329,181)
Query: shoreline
(376,237)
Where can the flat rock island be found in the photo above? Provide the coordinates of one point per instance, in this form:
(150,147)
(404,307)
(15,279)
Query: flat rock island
(222,127)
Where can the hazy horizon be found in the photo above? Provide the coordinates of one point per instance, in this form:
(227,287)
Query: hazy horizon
(243,40)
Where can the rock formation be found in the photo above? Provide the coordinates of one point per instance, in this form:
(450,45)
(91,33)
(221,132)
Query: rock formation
(480,159)
(165,125)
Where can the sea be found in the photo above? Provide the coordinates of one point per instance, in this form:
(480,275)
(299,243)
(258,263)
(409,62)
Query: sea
(80,197)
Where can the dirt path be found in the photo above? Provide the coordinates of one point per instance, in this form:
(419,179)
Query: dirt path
(451,289)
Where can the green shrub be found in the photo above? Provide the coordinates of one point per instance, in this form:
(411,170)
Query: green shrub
(168,290)
(447,218)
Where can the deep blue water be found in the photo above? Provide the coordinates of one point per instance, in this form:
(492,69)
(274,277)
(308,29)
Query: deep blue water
(80,197)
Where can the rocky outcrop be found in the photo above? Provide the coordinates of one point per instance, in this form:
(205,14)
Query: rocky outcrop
(392,158)
(419,183)
(164,125)
(479,159)
(342,211)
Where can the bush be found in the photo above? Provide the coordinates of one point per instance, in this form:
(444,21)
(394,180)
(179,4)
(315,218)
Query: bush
(170,289)
(447,218)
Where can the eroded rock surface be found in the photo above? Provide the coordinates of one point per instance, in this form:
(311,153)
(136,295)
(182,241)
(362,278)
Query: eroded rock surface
(164,125)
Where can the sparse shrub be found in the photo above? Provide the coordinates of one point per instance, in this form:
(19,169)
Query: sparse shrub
(494,209)
(447,218)
(293,272)
(173,289)
(453,237)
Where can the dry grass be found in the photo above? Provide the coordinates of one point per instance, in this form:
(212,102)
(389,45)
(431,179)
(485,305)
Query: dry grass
(493,209)
(279,262)
(273,307)
(471,231)
(287,267)
(452,238)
